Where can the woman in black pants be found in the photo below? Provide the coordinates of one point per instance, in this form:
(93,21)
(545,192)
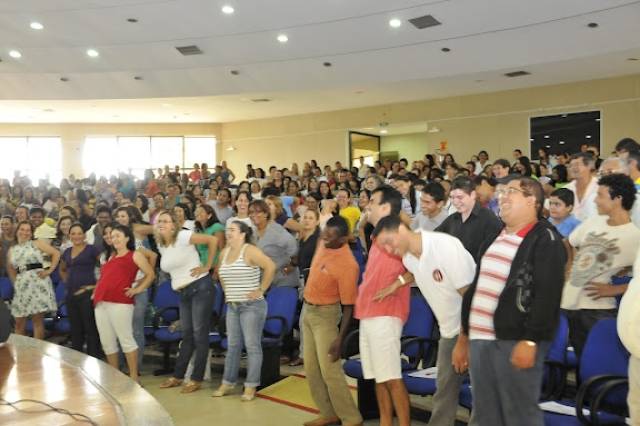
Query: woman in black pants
(77,269)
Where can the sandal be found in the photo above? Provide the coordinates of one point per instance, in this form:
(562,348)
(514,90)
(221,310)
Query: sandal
(191,387)
(248,395)
(171,382)
(222,390)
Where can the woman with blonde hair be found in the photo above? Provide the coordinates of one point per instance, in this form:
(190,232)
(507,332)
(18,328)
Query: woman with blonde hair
(279,216)
(191,279)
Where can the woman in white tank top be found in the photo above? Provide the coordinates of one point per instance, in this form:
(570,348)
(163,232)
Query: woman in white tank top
(239,272)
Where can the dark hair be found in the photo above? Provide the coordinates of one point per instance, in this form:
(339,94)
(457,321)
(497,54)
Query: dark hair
(102,209)
(35,210)
(586,158)
(245,229)
(329,194)
(532,188)
(271,190)
(316,196)
(213,219)
(390,223)
(160,193)
(565,195)
(477,181)
(7,216)
(340,224)
(561,171)
(131,244)
(145,202)
(71,210)
(59,231)
(524,160)
(245,193)
(517,150)
(188,214)
(262,206)
(483,152)
(502,163)
(344,189)
(391,196)
(627,144)
(435,190)
(24,222)
(634,156)
(620,186)
(465,183)
(76,225)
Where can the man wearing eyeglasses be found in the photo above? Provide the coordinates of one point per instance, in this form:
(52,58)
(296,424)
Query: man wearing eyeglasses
(511,310)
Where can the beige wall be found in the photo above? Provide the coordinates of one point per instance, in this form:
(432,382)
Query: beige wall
(497,122)
(413,146)
(73,136)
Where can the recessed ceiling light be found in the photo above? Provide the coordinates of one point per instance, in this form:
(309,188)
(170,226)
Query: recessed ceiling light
(132,20)
(546,136)
(93,53)
(228,10)
(36,26)
(633,59)
(282,38)
(597,119)
(64,79)
(395,23)
(588,136)
(548,146)
(327,64)
(592,25)
(15,54)
(384,131)
(561,142)
(234,72)
(138,77)
(446,49)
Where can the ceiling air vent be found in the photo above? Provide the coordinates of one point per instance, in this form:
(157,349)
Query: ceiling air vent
(425,21)
(517,74)
(261,100)
(189,50)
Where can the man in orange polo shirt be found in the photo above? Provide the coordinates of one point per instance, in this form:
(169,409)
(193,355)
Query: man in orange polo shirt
(329,295)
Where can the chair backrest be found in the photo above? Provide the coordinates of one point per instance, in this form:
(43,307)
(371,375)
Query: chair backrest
(60,291)
(281,302)
(6,288)
(358,254)
(166,297)
(218,301)
(603,352)
(420,323)
(558,350)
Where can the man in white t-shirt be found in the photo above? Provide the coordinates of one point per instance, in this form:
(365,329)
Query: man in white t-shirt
(442,269)
(604,246)
(432,212)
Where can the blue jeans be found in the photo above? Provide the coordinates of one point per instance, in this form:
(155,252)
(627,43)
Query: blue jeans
(245,322)
(140,307)
(196,311)
(502,394)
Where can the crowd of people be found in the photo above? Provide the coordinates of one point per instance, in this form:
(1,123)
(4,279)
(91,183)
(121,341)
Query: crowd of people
(497,248)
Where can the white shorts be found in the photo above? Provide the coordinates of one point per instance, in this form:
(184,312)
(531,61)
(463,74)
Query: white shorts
(114,323)
(380,348)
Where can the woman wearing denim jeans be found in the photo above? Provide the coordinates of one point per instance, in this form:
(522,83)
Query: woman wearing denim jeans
(239,272)
(193,282)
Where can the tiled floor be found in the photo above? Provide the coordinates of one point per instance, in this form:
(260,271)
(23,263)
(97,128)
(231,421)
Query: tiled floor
(199,408)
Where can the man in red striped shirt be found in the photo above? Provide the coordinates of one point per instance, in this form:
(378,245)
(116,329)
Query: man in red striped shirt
(510,313)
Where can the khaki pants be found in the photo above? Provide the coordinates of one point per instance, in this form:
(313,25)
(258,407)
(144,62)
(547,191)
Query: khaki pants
(633,399)
(326,379)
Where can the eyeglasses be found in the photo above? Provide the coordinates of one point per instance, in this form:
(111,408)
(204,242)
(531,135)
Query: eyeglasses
(511,190)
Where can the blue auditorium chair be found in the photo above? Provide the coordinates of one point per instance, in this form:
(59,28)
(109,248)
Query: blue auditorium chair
(6,289)
(167,305)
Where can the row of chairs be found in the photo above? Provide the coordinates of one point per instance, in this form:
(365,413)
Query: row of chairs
(281,311)
(601,372)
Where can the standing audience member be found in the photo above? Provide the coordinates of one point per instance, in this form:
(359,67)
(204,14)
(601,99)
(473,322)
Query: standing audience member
(332,283)
(77,270)
(510,312)
(33,291)
(276,243)
(560,206)
(381,321)
(584,185)
(113,298)
(347,210)
(207,223)
(471,224)
(190,278)
(443,270)
(222,205)
(432,212)
(246,274)
(604,245)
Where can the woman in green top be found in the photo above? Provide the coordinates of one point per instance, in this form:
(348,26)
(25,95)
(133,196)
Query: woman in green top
(207,223)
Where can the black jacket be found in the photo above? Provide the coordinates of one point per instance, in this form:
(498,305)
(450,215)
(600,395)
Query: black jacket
(529,306)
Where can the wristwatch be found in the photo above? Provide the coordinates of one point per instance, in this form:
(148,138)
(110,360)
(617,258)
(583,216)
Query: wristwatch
(402,280)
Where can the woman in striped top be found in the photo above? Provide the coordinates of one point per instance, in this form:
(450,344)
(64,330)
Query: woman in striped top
(239,273)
